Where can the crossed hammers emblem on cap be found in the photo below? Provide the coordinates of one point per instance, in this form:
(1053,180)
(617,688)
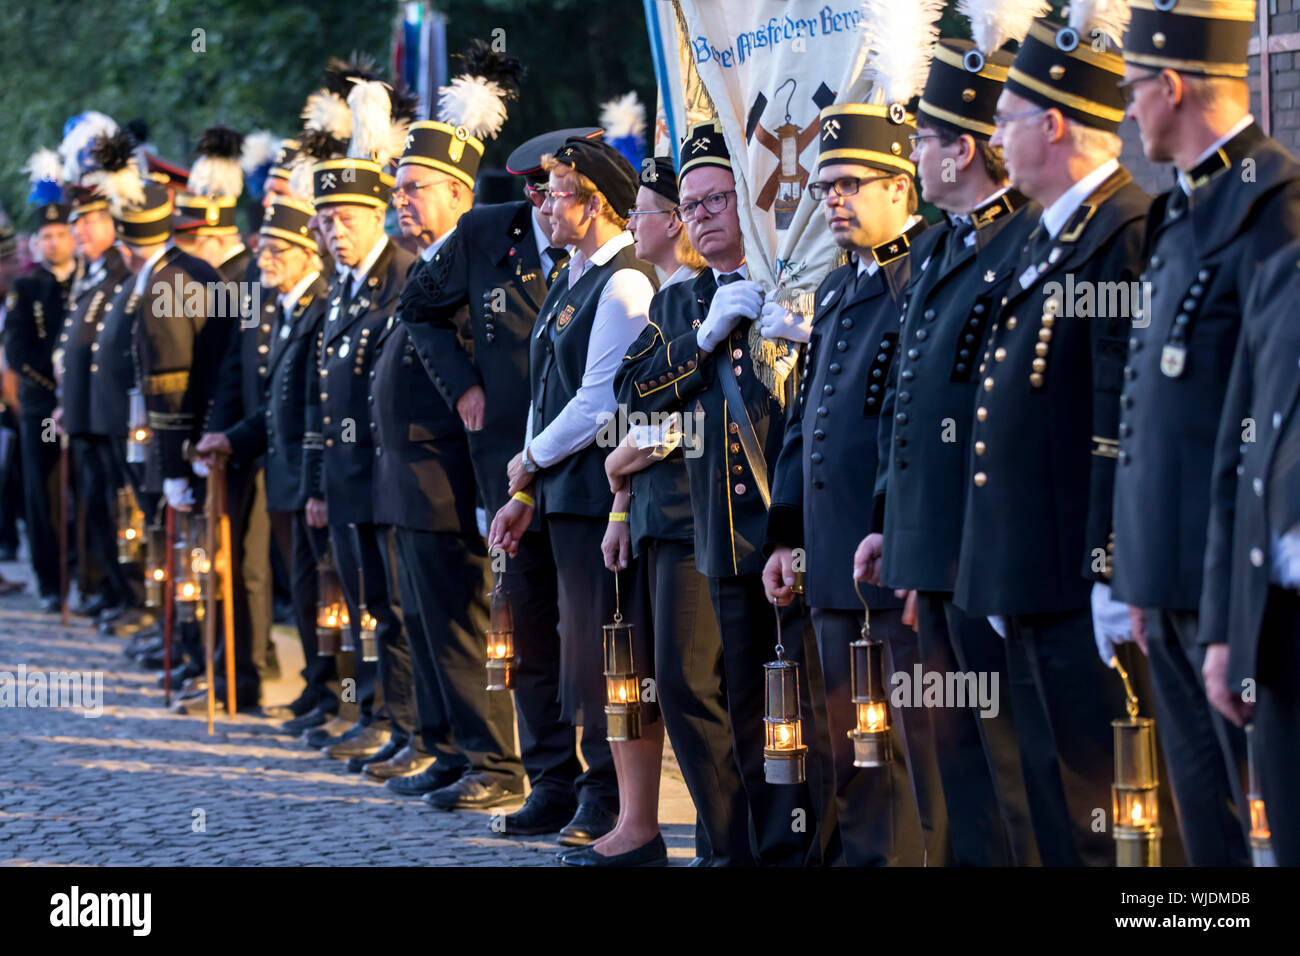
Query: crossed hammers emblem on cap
(327,180)
(831,129)
(699,144)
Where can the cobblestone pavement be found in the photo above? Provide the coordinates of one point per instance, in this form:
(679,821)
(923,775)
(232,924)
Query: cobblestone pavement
(141,786)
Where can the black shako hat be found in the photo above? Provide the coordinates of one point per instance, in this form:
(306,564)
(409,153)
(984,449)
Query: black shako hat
(661,178)
(605,166)
(962,90)
(1202,37)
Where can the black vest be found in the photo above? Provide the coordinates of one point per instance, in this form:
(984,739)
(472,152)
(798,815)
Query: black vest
(577,485)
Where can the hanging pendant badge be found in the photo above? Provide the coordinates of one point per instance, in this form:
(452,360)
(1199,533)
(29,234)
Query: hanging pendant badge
(1173,360)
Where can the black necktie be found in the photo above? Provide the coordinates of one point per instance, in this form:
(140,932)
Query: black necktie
(347,289)
(957,241)
(728,277)
(559,256)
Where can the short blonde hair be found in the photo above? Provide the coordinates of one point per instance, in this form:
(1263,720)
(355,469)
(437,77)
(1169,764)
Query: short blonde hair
(585,189)
(1211,91)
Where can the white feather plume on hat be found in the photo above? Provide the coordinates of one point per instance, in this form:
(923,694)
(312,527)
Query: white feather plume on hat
(994,22)
(216,171)
(476,103)
(372,122)
(44,165)
(623,116)
(261,147)
(900,38)
(116,175)
(87,127)
(326,112)
(1110,17)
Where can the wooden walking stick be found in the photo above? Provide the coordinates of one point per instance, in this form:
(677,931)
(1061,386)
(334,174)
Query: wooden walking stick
(227,580)
(211,528)
(169,608)
(63,529)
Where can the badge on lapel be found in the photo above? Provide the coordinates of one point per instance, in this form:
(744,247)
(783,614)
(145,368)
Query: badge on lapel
(347,344)
(1173,359)
(565,317)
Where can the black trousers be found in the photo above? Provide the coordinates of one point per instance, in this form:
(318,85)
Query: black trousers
(547,743)
(1064,699)
(1277,722)
(691,684)
(299,545)
(98,496)
(445,579)
(357,553)
(747,626)
(585,593)
(1205,754)
(891,815)
(40,468)
(240,493)
(977,754)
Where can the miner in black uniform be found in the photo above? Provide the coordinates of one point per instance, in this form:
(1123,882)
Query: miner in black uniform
(591,314)
(500,262)
(93,299)
(36,307)
(699,336)
(869,201)
(960,274)
(1206,238)
(351,195)
(1047,406)
(289,264)
(1249,626)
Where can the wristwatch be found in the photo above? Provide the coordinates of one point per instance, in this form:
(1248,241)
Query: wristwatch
(530,466)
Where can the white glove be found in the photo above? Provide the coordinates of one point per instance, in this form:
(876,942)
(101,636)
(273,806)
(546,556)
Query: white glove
(1286,559)
(999,624)
(178,493)
(1111,624)
(731,303)
(480,517)
(199,468)
(778,322)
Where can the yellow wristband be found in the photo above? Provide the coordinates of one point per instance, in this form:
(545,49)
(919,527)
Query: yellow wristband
(523,497)
(618,516)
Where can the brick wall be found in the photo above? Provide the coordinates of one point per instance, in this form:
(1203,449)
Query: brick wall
(1284,92)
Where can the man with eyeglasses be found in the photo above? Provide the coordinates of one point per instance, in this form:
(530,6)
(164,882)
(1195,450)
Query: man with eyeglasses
(1207,237)
(699,332)
(960,274)
(869,202)
(276,428)
(1034,553)
(479,294)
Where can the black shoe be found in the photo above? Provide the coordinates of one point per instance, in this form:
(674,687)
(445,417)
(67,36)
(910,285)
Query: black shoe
(313,718)
(405,763)
(472,791)
(180,674)
(111,613)
(591,822)
(328,733)
(654,853)
(540,814)
(387,752)
(362,741)
(295,708)
(434,777)
(198,706)
(51,604)
(90,608)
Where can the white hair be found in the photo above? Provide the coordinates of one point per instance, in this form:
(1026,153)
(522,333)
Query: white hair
(1092,142)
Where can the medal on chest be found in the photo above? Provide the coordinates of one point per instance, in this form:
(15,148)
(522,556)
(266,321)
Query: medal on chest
(345,347)
(1173,360)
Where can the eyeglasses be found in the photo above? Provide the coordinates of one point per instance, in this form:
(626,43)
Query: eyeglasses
(845,186)
(1003,119)
(275,252)
(915,138)
(561,193)
(632,213)
(408,191)
(713,203)
(1126,86)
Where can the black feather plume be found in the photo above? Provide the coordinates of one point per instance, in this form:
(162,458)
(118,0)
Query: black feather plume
(340,74)
(220,141)
(405,103)
(318,145)
(112,153)
(505,71)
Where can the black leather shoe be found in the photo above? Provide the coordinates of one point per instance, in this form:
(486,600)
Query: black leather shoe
(591,822)
(389,750)
(147,640)
(89,608)
(111,613)
(540,814)
(368,739)
(405,763)
(434,777)
(654,853)
(295,708)
(51,604)
(180,674)
(472,792)
(326,734)
(313,718)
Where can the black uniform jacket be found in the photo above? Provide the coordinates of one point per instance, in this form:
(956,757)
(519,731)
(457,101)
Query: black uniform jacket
(664,371)
(821,494)
(954,292)
(35,310)
(181,333)
(1037,519)
(1255,487)
(343,474)
(277,427)
(1204,252)
(490,264)
(81,327)
(241,386)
